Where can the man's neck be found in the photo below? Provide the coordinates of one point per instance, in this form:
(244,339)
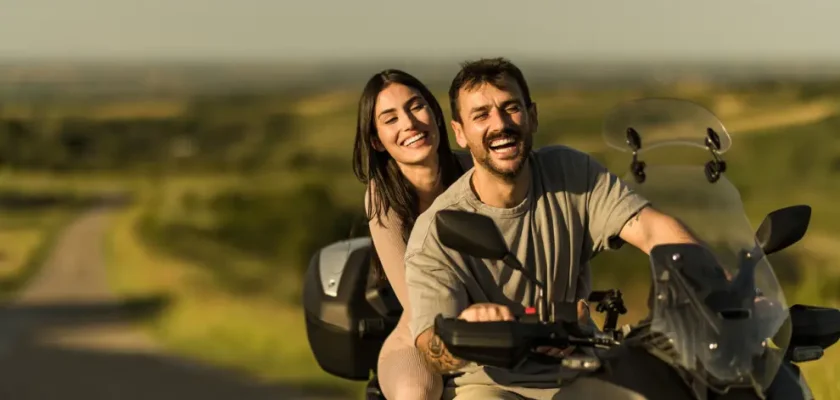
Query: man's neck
(501,193)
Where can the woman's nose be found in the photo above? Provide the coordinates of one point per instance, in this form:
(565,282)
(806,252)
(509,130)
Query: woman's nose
(409,122)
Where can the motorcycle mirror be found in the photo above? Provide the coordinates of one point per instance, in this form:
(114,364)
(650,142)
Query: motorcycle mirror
(783,227)
(478,236)
(471,233)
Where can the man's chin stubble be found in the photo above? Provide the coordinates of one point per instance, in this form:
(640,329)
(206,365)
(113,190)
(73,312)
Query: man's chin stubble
(507,176)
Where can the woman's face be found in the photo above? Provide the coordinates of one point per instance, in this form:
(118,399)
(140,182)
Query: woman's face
(406,125)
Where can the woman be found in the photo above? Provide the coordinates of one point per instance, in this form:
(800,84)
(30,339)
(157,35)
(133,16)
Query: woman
(402,155)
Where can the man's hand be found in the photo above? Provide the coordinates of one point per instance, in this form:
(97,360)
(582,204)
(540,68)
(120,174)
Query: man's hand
(583,312)
(486,312)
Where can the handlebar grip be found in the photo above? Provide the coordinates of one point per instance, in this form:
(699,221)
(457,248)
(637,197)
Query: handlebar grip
(457,332)
(504,344)
(500,344)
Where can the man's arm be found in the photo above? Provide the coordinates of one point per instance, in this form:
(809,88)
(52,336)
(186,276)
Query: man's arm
(617,212)
(433,289)
(649,228)
(436,354)
(435,350)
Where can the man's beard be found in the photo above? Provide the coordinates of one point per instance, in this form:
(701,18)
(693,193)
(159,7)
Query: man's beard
(486,160)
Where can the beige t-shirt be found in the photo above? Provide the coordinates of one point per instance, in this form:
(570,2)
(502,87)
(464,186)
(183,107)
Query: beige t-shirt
(574,209)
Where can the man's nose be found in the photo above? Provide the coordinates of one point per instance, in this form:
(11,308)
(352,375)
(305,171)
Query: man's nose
(499,121)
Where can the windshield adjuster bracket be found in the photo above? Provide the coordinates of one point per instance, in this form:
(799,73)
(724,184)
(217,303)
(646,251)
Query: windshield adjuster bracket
(717,165)
(637,167)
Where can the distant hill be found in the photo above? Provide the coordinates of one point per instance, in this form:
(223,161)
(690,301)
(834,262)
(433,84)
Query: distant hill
(29,80)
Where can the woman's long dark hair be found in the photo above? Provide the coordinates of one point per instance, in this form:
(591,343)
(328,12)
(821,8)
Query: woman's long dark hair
(392,190)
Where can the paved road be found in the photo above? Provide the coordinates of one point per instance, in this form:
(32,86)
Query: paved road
(66,336)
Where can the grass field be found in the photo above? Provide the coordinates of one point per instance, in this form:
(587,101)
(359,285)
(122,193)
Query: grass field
(24,244)
(254,333)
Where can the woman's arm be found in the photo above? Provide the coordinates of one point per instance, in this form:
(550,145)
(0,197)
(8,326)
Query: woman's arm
(387,239)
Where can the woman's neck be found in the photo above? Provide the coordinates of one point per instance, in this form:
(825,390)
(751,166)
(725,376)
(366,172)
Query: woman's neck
(426,180)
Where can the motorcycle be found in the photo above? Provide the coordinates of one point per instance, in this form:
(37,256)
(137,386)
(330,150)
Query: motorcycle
(718,328)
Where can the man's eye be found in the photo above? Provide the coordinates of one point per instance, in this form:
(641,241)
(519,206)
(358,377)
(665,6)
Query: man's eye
(513,109)
(480,116)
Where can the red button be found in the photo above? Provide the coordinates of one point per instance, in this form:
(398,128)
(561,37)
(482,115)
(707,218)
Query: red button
(530,310)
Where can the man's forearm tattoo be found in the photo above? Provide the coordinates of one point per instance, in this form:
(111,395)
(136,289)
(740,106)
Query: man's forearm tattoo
(440,358)
(634,218)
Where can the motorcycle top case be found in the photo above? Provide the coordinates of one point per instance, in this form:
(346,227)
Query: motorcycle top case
(348,315)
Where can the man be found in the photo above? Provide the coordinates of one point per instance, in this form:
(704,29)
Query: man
(556,208)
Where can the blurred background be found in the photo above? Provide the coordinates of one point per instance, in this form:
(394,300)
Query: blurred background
(167,169)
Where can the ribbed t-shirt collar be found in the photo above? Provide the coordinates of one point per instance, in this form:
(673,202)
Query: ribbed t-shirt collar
(511,212)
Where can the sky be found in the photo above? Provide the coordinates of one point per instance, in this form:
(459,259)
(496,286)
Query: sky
(278,30)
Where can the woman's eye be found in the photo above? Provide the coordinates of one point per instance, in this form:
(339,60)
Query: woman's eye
(390,120)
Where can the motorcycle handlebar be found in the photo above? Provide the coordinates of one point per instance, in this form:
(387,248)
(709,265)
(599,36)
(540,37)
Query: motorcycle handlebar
(506,343)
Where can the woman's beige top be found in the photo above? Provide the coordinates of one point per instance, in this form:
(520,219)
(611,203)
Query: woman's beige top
(387,239)
(390,247)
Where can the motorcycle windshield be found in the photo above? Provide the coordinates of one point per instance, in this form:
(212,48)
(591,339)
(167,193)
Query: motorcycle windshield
(720,307)
(662,122)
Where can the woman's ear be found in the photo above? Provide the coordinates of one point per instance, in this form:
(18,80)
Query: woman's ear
(377,144)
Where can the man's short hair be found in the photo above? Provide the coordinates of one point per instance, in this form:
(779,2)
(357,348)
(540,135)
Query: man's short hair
(493,71)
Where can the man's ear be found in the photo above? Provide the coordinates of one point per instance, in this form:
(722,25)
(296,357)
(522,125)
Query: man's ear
(377,144)
(459,133)
(532,113)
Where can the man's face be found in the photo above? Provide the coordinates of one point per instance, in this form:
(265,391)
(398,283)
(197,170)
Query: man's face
(496,127)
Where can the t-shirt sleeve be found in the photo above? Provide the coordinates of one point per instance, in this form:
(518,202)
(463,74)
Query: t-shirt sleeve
(610,204)
(433,287)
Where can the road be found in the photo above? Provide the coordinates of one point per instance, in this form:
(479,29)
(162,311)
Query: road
(66,336)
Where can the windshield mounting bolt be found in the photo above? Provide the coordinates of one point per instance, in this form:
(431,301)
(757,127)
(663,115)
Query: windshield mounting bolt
(675,257)
(713,346)
(749,255)
(763,343)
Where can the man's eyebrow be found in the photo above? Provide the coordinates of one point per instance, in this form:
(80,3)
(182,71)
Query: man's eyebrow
(479,108)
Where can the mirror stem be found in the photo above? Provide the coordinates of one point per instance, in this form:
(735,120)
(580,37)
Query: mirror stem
(542,303)
(511,261)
